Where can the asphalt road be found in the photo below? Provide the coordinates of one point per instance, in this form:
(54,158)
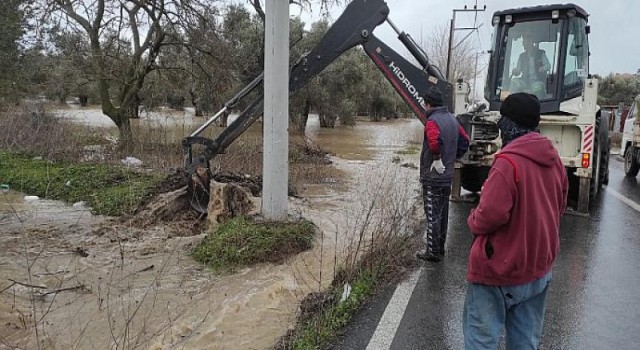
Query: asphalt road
(593,302)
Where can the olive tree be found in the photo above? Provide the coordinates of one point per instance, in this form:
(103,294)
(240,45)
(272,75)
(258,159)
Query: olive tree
(11,29)
(616,88)
(126,37)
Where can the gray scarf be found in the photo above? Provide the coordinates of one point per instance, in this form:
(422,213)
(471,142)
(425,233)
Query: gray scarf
(510,130)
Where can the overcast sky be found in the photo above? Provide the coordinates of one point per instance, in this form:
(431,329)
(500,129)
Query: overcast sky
(614,39)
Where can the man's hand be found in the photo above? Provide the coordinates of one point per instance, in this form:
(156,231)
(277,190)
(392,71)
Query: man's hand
(438,166)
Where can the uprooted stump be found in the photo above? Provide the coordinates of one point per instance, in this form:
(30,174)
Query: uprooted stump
(228,200)
(163,208)
(170,202)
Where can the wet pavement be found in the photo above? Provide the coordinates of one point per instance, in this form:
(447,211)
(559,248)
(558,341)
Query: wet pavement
(593,302)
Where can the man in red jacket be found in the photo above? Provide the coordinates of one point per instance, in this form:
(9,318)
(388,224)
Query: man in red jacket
(515,233)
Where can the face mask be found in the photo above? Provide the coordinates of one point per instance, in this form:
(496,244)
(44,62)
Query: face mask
(509,130)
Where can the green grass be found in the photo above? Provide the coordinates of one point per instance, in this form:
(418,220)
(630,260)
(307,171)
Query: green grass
(411,149)
(241,242)
(107,189)
(319,330)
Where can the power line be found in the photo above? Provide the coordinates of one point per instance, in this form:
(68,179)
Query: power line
(452,29)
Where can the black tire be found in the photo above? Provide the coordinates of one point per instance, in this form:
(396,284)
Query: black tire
(631,164)
(605,164)
(472,177)
(600,161)
(606,150)
(574,187)
(596,163)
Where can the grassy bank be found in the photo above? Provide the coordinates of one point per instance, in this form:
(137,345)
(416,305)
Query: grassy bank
(324,315)
(242,242)
(108,189)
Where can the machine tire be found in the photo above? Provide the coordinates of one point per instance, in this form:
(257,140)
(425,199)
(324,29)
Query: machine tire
(596,164)
(600,161)
(472,177)
(631,164)
(574,187)
(605,164)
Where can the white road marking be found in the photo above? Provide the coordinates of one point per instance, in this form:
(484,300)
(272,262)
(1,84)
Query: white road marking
(386,330)
(626,200)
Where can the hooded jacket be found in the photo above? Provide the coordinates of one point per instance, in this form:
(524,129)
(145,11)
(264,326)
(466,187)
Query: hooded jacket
(516,224)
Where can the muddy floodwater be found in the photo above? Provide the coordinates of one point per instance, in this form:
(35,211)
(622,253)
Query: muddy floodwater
(91,282)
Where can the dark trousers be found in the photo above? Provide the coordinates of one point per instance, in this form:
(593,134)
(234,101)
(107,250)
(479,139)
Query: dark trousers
(436,208)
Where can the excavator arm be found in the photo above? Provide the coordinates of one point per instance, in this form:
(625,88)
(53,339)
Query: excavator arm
(354,27)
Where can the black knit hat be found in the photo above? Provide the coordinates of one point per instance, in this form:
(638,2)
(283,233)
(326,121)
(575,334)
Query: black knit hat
(522,108)
(433,96)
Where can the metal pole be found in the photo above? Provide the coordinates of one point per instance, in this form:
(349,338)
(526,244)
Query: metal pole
(475,77)
(275,165)
(208,122)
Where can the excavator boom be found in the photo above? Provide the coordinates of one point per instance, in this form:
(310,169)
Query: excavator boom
(354,27)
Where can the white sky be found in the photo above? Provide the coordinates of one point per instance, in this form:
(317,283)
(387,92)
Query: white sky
(614,39)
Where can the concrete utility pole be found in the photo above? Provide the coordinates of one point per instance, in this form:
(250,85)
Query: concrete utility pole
(452,29)
(275,167)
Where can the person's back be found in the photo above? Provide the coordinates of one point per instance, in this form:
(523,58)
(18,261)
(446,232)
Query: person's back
(447,139)
(516,228)
(532,197)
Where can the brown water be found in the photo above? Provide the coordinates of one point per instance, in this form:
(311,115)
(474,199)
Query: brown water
(140,289)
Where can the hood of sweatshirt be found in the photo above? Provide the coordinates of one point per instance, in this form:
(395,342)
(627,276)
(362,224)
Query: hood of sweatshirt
(533,146)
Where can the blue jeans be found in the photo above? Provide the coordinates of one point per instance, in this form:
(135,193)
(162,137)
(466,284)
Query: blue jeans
(518,309)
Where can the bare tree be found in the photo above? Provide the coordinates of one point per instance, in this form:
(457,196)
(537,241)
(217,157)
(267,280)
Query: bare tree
(463,55)
(324,4)
(125,36)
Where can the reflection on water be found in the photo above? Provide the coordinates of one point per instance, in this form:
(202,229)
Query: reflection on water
(365,141)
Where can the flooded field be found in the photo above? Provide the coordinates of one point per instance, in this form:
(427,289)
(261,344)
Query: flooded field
(96,282)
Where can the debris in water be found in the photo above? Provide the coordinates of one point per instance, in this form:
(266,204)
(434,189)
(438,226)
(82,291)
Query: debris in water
(346,291)
(409,165)
(131,162)
(83,253)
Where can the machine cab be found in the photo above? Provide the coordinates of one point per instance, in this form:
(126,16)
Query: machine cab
(542,50)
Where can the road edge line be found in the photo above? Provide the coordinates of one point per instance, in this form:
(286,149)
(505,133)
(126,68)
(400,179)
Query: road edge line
(388,325)
(624,199)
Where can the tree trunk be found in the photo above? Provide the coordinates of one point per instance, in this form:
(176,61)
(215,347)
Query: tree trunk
(301,121)
(124,126)
(84,100)
(134,110)
(327,121)
(195,102)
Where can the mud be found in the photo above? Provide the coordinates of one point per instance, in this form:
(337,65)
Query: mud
(94,282)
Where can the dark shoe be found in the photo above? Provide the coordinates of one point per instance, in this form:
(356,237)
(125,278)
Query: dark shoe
(429,256)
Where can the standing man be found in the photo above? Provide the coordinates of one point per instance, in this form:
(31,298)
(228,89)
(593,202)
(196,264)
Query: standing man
(515,233)
(444,142)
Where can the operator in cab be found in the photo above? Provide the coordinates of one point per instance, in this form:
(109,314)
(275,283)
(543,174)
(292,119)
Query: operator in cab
(530,73)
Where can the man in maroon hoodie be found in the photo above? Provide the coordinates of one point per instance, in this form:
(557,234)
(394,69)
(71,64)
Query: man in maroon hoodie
(515,233)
